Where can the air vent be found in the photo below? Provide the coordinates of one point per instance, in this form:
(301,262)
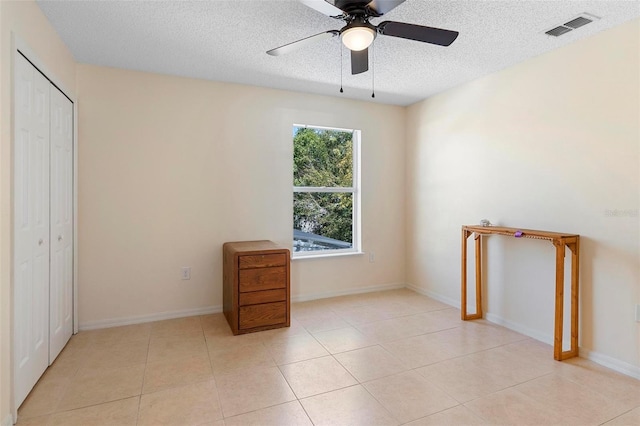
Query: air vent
(577,22)
(558,31)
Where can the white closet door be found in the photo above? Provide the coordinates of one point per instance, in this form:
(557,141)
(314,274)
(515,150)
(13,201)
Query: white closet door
(61,257)
(31,227)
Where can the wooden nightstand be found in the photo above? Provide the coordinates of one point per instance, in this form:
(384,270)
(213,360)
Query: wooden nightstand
(256,286)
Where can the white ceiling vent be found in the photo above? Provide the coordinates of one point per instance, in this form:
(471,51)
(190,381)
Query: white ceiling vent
(577,22)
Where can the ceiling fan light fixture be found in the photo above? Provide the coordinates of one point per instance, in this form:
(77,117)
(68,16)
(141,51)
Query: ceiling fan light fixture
(358,38)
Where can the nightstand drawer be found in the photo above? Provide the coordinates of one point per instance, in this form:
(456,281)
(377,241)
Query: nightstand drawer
(266,296)
(262,279)
(262,261)
(262,315)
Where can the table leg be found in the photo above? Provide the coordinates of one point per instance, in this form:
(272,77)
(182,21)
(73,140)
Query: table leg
(557,341)
(478,276)
(463,273)
(575,267)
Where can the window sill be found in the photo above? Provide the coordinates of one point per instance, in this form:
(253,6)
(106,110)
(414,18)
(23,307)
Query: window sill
(325,255)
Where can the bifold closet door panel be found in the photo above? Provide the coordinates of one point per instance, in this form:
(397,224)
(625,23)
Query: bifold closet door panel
(31,226)
(61,211)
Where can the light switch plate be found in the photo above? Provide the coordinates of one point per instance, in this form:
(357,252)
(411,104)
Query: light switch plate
(186,273)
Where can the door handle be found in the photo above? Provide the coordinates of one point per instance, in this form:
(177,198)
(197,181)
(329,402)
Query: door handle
(59,237)
(40,241)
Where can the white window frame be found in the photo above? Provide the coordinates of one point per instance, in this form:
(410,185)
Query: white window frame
(356,247)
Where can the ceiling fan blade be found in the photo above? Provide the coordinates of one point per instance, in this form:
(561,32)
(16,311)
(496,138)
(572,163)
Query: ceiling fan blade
(417,32)
(323,7)
(302,43)
(359,61)
(384,6)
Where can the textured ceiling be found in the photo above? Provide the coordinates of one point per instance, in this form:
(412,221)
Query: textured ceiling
(227,41)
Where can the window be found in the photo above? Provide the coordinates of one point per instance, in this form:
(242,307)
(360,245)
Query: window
(326,197)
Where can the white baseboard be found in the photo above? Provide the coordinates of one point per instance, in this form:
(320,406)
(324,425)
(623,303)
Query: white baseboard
(598,358)
(609,362)
(346,292)
(440,298)
(7,421)
(604,360)
(139,319)
(454,303)
(534,334)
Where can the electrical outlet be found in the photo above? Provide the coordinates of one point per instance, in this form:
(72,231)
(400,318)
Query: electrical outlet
(637,313)
(372,257)
(186,273)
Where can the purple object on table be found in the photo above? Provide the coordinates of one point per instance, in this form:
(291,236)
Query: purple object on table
(518,234)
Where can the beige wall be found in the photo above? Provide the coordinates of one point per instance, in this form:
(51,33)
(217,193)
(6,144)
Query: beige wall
(552,144)
(27,23)
(171,168)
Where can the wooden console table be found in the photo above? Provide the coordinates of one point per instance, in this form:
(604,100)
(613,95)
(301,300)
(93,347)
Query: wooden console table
(559,240)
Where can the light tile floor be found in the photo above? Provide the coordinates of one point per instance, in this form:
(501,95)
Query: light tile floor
(384,358)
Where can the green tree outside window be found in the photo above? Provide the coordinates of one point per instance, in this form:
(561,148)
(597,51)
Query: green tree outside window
(323,158)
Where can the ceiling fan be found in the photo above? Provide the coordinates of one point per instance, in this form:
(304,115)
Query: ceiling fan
(358,33)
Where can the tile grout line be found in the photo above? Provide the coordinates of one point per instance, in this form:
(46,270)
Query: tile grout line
(620,415)
(213,377)
(144,374)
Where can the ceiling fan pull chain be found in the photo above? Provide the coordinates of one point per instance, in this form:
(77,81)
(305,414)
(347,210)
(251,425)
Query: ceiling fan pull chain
(341,55)
(373,71)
